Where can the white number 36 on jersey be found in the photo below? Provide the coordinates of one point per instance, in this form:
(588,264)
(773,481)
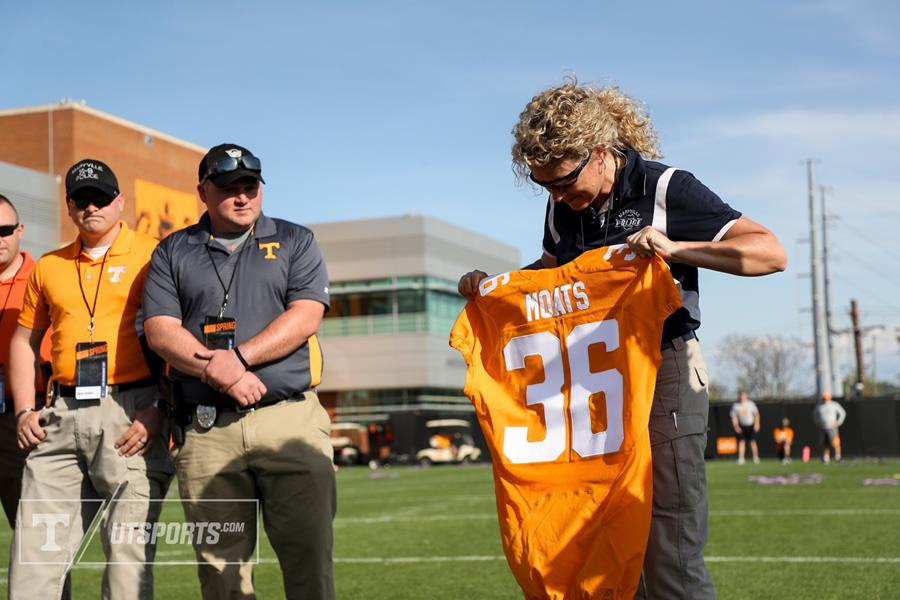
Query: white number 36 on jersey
(548,393)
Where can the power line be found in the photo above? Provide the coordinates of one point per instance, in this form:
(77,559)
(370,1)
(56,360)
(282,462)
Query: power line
(872,295)
(866,237)
(867,265)
(855,202)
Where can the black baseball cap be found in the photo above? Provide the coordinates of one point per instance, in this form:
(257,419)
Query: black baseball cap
(226,163)
(91,173)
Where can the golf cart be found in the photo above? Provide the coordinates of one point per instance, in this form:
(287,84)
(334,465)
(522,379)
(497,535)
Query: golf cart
(350,442)
(449,441)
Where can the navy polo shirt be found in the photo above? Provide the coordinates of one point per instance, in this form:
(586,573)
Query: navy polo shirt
(278,264)
(646,193)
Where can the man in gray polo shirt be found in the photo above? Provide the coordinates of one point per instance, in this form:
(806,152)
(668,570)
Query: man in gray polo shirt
(233,303)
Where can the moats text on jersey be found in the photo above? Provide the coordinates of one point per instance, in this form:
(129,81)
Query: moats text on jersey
(546,304)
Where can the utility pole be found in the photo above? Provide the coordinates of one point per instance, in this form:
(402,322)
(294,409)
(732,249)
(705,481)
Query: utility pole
(829,320)
(859,331)
(823,374)
(875,364)
(860,384)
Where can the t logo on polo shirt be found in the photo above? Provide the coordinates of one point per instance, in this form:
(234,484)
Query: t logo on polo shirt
(270,247)
(116,276)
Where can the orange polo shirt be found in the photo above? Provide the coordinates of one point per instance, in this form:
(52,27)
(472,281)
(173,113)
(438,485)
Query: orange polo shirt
(53,298)
(12,292)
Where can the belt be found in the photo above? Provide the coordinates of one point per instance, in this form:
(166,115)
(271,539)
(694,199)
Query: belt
(235,407)
(185,413)
(670,344)
(68,391)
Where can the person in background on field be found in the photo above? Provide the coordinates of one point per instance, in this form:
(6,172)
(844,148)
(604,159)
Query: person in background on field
(745,420)
(829,416)
(784,437)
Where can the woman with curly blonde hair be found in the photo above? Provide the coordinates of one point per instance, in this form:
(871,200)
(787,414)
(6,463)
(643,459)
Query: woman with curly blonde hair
(593,150)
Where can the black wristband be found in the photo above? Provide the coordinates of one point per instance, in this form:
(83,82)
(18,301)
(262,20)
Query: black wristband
(241,358)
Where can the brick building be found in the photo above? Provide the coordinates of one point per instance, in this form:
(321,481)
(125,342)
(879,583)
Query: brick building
(393,280)
(157,173)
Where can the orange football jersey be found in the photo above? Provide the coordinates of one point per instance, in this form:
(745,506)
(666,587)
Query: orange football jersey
(561,370)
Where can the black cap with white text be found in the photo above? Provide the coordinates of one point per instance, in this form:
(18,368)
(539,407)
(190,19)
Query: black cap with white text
(91,173)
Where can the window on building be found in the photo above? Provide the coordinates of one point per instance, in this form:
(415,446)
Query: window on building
(402,396)
(383,306)
(410,301)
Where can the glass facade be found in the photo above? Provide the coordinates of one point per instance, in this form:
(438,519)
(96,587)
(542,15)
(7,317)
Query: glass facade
(400,400)
(392,306)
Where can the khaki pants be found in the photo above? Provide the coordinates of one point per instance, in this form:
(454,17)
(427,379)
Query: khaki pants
(66,479)
(282,456)
(674,565)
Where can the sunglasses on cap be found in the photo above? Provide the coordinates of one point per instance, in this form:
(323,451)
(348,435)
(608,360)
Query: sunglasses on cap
(7,230)
(227,165)
(82,201)
(566,180)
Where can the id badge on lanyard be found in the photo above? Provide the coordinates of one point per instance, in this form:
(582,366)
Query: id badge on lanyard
(218,332)
(91,369)
(91,358)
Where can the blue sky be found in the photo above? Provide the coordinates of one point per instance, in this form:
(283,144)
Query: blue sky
(365,109)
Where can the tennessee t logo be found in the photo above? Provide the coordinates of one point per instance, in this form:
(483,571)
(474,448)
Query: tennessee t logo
(116,274)
(269,247)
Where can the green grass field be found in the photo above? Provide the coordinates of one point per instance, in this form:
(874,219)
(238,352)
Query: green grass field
(432,534)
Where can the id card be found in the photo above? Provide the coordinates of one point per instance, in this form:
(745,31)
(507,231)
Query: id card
(91,365)
(218,333)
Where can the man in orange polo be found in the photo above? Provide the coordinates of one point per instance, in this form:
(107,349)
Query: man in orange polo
(99,444)
(15,267)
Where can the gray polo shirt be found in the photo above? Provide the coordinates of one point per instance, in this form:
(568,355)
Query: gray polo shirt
(279,264)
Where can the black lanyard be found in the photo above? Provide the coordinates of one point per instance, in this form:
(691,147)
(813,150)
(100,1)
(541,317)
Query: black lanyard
(90,309)
(9,293)
(233,272)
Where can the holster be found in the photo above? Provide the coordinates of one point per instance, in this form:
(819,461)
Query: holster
(180,414)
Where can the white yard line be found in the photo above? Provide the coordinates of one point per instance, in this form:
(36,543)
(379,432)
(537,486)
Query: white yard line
(399,560)
(457,498)
(807,511)
(849,512)
(413,559)
(798,489)
(394,518)
(891,560)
